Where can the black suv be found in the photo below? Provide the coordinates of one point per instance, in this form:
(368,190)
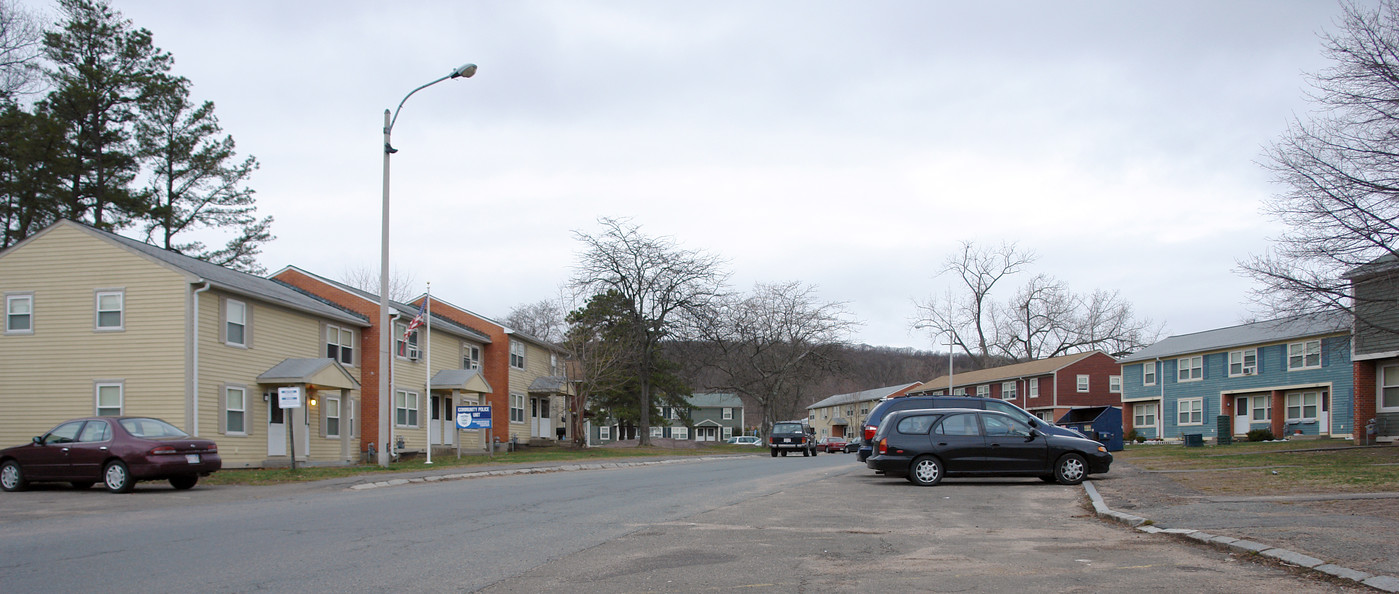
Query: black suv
(790,436)
(866,437)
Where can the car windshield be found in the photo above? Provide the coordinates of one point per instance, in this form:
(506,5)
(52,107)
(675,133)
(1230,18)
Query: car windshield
(151,428)
(787,428)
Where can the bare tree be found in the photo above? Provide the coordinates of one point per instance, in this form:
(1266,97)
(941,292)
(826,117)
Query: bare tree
(658,282)
(21,41)
(768,344)
(971,318)
(1045,319)
(402,287)
(543,319)
(1340,171)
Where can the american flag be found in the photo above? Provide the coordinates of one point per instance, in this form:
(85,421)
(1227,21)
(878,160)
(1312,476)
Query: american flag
(417,320)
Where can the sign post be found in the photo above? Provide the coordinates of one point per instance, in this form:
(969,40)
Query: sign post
(475,417)
(290,397)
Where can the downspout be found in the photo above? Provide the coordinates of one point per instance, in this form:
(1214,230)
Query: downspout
(195,392)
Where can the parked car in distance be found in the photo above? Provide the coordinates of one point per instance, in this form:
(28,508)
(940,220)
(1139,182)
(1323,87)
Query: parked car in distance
(116,451)
(831,445)
(866,436)
(925,445)
(748,440)
(792,436)
(852,445)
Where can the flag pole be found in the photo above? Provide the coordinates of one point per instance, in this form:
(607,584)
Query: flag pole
(427,356)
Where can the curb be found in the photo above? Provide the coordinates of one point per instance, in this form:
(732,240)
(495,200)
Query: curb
(433,478)
(1383,583)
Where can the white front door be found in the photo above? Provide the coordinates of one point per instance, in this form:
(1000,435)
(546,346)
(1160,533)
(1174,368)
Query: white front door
(1323,416)
(442,427)
(276,427)
(539,425)
(1241,415)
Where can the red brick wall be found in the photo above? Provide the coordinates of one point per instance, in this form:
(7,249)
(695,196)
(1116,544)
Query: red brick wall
(1098,367)
(1365,396)
(495,363)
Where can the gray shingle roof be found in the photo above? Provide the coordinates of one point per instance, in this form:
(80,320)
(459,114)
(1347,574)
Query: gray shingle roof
(403,310)
(1270,331)
(715,400)
(862,396)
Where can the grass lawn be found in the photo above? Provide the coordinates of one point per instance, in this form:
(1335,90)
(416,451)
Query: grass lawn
(272,476)
(1263,468)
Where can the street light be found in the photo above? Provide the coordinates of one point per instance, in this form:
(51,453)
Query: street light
(385,332)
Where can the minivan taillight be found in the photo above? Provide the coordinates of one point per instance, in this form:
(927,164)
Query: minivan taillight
(869,432)
(883,446)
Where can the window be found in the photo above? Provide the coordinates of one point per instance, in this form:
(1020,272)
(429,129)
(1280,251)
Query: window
(603,433)
(1008,390)
(983,391)
(1304,355)
(517,408)
(109,310)
(680,433)
(864,408)
(959,392)
(554,364)
(825,413)
(1144,415)
(1260,409)
(1082,383)
(728,432)
(811,415)
(1389,387)
(1243,362)
(109,400)
(19,314)
(1045,415)
(728,414)
(1034,388)
(405,406)
(1303,406)
(95,431)
(235,410)
(470,356)
(1189,369)
(517,354)
(959,425)
(1149,374)
(405,348)
(1190,411)
(916,425)
(340,344)
(236,323)
(1115,384)
(332,416)
(998,426)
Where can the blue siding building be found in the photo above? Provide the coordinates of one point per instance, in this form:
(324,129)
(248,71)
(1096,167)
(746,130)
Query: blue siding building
(1291,376)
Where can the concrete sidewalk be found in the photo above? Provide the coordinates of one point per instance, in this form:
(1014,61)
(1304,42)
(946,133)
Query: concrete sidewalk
(1346,535)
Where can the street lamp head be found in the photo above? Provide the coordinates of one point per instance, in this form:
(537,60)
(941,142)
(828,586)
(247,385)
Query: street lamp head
(464,71)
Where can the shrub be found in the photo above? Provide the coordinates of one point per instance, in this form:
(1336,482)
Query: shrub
(1260,435)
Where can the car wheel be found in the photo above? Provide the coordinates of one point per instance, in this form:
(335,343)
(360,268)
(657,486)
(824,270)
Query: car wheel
(806,453)
(183,482)
(925,471)
(117,478)
(80,485)
(784,453)
(774,452)
(815,451)
(1070,470)
(11,477)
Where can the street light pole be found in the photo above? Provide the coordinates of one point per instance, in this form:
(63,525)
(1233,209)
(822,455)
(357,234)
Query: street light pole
(385,332)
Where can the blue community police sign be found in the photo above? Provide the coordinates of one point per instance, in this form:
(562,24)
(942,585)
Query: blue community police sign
(473,417)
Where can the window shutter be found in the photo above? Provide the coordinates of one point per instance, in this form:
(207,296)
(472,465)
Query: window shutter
(223,320)
(248,324)
(325,417)
(324,341)
(223,410)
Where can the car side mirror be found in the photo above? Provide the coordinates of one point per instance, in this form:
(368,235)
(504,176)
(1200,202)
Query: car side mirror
(38,440)
(1033,434)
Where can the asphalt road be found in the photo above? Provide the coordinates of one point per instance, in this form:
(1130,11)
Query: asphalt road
(750,523)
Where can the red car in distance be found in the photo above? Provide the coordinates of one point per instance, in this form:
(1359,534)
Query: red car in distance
(832,444)
(116,451)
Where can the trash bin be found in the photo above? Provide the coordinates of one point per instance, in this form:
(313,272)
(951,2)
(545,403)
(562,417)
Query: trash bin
(1194,440)
(1100,423)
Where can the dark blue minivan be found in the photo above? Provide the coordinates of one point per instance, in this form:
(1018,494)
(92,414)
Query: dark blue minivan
(889,405)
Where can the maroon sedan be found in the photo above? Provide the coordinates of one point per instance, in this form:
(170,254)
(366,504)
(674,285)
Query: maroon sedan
(118,451)
(831,445)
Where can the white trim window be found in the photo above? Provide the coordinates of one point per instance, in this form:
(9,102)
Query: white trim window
(1304,355)
(1034,387)
(470,356)
(960,391)
(604,433)
(657,432)
(1243,362)
(406,349)
(728,414)
(1190,369)
(109,399)
(1082,383)
(728,432)
(235,322)
(983,391)
(332,417)
(1144,415)
(517,408)
(1149,373)
(1260,408)
(405,408)
(111,310)
(1115,384)
(554,364)
(1389,388)
(19,314)
(235,411)
(517,354)
(1303,406)
(340,344)
(1008,391)
(1190,411)
(679,432)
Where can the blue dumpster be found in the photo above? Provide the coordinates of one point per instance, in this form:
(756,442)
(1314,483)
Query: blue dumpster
(1100,423)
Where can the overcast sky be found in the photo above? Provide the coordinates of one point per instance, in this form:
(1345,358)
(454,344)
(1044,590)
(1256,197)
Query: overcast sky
(850,145)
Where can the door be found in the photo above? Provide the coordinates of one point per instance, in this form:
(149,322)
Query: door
(539,424)
(958,441)
(1323,417)
(85,457)
(1011,447)
(276,427)
(1241,415)
(442,427)
(50,458)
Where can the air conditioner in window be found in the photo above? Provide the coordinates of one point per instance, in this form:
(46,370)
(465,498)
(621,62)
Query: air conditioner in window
(1248,372)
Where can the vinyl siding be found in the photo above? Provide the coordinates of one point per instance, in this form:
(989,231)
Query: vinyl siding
(1369,340)
(49,376)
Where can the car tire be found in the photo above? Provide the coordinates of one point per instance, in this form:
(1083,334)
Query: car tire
(81,485)
(774,452)
(12,476)
(815,451)
(1070,469)
(925,471)
(117,477)
(806,453)
(183,482)
(784,453)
